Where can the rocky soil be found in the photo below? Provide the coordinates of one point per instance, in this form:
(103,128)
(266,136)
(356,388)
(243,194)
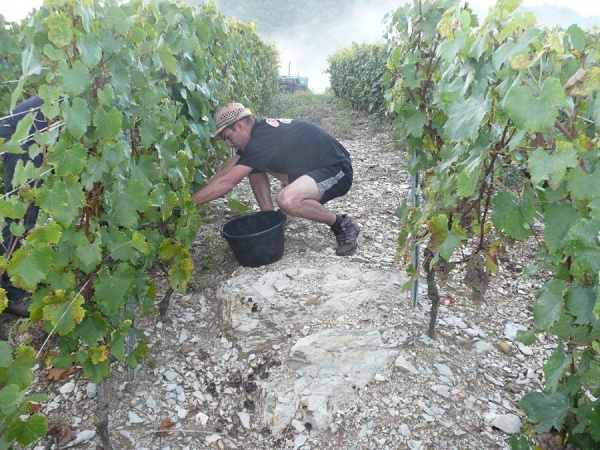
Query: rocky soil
(318,351)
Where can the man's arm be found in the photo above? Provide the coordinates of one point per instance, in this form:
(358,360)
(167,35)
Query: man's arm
(221,183)
(230,164)
(261,187)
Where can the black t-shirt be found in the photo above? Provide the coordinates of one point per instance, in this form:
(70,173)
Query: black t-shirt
(291,147)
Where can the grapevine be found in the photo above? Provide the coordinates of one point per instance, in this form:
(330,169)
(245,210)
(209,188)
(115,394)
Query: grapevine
(499,116)
(130,89)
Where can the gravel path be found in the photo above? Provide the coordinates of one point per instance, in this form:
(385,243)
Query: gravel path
(322,352)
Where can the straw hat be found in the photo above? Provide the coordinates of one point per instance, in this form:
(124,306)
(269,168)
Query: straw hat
(228,115)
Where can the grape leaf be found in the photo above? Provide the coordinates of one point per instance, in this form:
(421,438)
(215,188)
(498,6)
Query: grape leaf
(512,214)
(19,371)
(591,377)
(99,354)
(547,307)
(117,345)
(583,246)
(68,160)
(584,186)
(127,203)
(77,119)
(552,168)
(576,37)
(454,239)
(559,217)
(29,265)
(95,372)
(549,410)
(75,79)
(48,233)
(464,118)
(415,122)
(3,304)
(62,312)
(180,273)
(535,112)
(580,303)
(138,241)
(60,31)
(27,431)
(110,290)
(468,181)
(92,329)
(167,59)
(24,173)
(10,397)
(107,123)
(88,255)
(90,51)
(61,198)
(554,367)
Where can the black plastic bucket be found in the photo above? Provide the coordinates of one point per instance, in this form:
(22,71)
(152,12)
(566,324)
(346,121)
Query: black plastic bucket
(256,238)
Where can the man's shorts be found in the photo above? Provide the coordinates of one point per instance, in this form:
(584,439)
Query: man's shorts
(333,182)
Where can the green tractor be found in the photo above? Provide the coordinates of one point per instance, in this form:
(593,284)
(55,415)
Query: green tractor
(291,85)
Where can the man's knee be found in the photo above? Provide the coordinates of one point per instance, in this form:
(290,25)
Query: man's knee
(285,200)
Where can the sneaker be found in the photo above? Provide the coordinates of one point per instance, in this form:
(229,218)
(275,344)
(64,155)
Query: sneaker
(346,235)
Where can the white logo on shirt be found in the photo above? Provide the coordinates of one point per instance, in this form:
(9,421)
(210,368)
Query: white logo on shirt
(275,122)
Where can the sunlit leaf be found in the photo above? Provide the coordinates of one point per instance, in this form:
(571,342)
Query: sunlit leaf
(64,313)
(29,265)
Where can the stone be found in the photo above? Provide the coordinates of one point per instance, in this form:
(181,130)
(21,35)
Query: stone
(527,351)
(355,355)
(511,330)
(482,347)
(244,419)
(508,423)
(67,388)
(201,418)
(504,346)
(444,370)
(134,418)
(91,390)
(171,375)
(300,441)
(82,436)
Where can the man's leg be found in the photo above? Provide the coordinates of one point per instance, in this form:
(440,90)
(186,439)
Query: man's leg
(302,199)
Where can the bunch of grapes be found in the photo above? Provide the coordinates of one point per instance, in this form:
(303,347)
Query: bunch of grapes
(549,441)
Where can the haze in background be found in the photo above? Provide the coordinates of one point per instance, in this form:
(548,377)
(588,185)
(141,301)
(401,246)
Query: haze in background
(304,46)
(305,54)
(307,31)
